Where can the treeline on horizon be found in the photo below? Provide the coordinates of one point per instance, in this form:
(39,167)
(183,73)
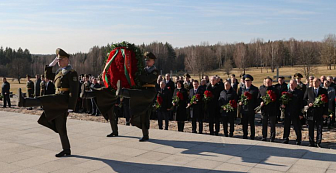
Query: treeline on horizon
(195,59)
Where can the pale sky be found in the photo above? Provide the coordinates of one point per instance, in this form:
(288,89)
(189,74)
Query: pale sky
(77,25)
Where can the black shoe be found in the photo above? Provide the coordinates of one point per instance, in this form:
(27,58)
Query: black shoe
(216,133)
(64,153)
(244,137)
(285,141)
(311,145)
(200,133)
(193,132)
(230,135)
(211,133)
(318,146)
(112,135)
(143,139)
(226,135)
(263,139)
(272,140)
(252,138)
(298,143)
(128,123)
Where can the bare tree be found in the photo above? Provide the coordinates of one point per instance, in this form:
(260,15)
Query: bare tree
(328,50)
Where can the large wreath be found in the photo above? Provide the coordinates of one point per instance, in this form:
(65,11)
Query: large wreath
(123,63)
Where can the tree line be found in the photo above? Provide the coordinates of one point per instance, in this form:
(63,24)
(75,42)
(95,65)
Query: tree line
(195,59)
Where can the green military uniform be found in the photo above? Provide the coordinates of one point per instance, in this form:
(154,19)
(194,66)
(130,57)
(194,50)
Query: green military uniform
(56,106)
(42,88)
(30,88)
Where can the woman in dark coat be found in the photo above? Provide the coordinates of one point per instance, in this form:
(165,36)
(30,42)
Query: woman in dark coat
(181,111)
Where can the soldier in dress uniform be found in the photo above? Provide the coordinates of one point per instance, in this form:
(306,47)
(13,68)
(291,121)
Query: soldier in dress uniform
(42,86)
(57,106)
(141,100)
(30,89)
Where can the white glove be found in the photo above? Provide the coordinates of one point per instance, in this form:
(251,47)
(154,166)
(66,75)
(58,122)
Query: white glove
(70,110)
(54,62)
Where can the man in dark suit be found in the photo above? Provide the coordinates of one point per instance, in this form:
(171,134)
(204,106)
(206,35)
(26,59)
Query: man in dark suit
(50,87)
(234,82)
(315,113)
(281,86)
(268,111)
(163,111)
(5,92)
(37,83)
(213,107)
(169,83)
(196,108)
(248,113)
(293,112)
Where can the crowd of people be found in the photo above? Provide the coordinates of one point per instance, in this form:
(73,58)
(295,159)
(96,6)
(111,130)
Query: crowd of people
(220,101)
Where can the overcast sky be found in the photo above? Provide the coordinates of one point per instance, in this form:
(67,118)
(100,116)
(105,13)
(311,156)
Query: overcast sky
(77,25)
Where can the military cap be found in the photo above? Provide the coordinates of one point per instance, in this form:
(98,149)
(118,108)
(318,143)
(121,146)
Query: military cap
(187,75)
(298,75)
(61,53)
(149,55)
(281,77)
(248,77)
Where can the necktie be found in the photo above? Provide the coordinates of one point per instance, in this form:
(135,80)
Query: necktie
(315,92)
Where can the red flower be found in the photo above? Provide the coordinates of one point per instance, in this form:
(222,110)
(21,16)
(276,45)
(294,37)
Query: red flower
(208,93)
(198,96)
(159,99)
(272,95)
(248,95)
(233,103)
(324,98)
(179,95)
(168,88)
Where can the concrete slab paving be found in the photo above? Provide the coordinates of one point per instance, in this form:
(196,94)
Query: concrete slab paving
(26,146)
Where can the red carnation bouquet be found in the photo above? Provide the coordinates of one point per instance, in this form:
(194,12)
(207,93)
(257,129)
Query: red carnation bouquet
(208,96)
(158,102)
(244,98)
(230,106)
(177,98)
(268,98)
(285,98)
(320,100)
(195,98)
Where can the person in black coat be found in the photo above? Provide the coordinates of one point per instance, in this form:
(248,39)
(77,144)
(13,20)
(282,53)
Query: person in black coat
(50,87)
(95,110)
(196,108)
(213,106)
(315,114)
(181,110)
(227,95)
(281,86)
(234,82)
(248,113)
(293,113)
(5,89)
(269,111)
(169,84)
(163,111)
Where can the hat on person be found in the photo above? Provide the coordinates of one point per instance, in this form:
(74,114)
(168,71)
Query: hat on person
(149,55)
(60,53)
(248,77)
(187,75)
(298,75)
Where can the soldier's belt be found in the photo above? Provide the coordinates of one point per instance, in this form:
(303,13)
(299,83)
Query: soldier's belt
(148,86)
(62,89)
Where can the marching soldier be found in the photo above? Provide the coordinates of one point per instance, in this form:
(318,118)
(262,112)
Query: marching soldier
(141,100)
(57,106)
(248,113)
(316,113)
(293,113)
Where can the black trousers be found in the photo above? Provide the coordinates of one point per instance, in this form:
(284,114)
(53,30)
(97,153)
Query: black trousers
(214,118)
(229,119)
(248,118)
(319,125)
(194,121)
(127,109)
(94,107)
(60,124)
(6,100)
(295,120)
(163,115)
(113,120)
(180,126)
(268,116)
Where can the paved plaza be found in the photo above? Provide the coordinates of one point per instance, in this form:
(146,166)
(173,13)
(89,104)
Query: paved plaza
(26,146)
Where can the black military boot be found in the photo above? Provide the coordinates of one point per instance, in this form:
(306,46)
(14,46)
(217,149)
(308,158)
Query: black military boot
(143,139)
(28,102)
(112,135)
(66,152)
